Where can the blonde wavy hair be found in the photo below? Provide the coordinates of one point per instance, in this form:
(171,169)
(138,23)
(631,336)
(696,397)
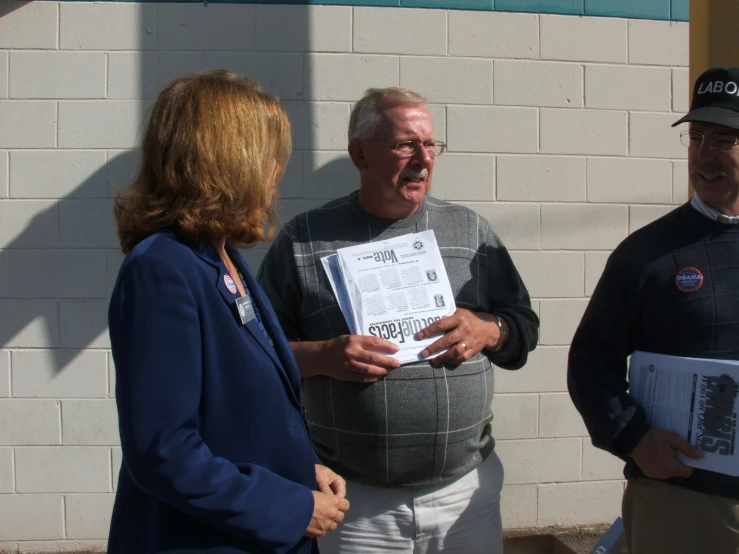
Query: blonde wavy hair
(214,149)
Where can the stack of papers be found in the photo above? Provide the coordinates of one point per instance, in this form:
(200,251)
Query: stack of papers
(696,398)
(392,289)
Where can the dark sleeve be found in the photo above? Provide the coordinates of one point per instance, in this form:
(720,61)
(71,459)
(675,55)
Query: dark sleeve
(158,351)
(597,366)
(278,276)
(510,300)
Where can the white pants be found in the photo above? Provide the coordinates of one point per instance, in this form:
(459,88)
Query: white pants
(462,517)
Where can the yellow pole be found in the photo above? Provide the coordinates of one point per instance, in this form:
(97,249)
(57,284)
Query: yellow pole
(713,33)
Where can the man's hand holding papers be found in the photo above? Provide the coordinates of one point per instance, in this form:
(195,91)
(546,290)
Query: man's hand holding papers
(656,454)
(465,334)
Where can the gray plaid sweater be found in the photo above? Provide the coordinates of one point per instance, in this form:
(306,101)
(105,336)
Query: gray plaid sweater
(420,425)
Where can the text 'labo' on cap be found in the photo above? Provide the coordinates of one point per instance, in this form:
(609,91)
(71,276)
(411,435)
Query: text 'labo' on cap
(715,98)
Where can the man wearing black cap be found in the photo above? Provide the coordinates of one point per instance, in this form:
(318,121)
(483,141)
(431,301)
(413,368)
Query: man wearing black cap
(644,301)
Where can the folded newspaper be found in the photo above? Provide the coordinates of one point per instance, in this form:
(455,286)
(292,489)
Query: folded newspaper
(696,398)
(392,289)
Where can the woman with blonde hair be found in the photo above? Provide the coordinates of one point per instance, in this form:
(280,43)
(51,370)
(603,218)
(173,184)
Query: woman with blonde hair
(216,452)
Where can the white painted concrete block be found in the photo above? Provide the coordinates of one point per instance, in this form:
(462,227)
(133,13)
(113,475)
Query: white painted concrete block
(345,77)
(658,42)
(652,136)
(31,517)
(304,28)
(7,479)
(648,88)
(28,224)
(629,180)
(27,124)
(4,74)
(4,373)
(515,416)
(595,263)
(99,124)
(588,39)
(287,82)
(541,178)
(111,376)
(582,226)
(88,515)
(4,275)
(522,460)
(116,456)
(579,503)
(680,182)
(545,371)
(77,274)
(551,274)
(558,417)
(581,132)
(448,80)
(57,547)
(681,87)
(41,469)
(57,75)
(4,174)
(120,169)
(639,216)
(559,320)
(32,26)
(319,125)
(57,174)
(29,323)
(599,465)
(518,506)
(518,225)
(464,177)
(493,34)
(73,374)
(291,185)
(207,27)
(108,26)
(89,423)
(537,84)
(438,114)
(491,129)
(388,31)
(83,324)
(328,175)
(144,74)
(29,422)
(87,224)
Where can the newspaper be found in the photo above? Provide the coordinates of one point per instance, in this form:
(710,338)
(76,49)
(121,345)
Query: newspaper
(392,289)
(696,398)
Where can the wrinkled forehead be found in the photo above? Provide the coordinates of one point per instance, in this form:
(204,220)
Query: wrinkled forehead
(400,120)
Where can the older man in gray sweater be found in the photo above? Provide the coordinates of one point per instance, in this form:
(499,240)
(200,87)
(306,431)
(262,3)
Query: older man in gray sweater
(414,442)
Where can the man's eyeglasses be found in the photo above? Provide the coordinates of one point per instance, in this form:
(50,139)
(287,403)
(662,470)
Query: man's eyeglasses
(724,143)
(409,148)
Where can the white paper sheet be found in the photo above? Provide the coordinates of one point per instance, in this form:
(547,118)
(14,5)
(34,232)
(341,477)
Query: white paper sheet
(392,289)
(696,398)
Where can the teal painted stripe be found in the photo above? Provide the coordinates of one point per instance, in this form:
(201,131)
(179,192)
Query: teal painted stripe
(666,10)
(680,10)
(566,7)
(638,9)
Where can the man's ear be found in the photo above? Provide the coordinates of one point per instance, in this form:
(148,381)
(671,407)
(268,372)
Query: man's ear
(357,154)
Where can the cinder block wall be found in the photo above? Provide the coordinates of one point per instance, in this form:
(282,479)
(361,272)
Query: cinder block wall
(559,134)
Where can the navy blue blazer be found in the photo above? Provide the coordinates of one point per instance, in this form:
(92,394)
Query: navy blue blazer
(216,452)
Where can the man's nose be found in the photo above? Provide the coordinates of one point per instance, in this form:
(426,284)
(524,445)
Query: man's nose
(424,154)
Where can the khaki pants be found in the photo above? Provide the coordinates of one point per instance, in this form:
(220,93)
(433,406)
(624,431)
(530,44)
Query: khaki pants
(665,519)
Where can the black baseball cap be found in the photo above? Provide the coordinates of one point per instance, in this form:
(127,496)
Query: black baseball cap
(715,98)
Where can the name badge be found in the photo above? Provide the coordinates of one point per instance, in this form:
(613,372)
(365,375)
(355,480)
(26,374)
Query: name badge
(245,310)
